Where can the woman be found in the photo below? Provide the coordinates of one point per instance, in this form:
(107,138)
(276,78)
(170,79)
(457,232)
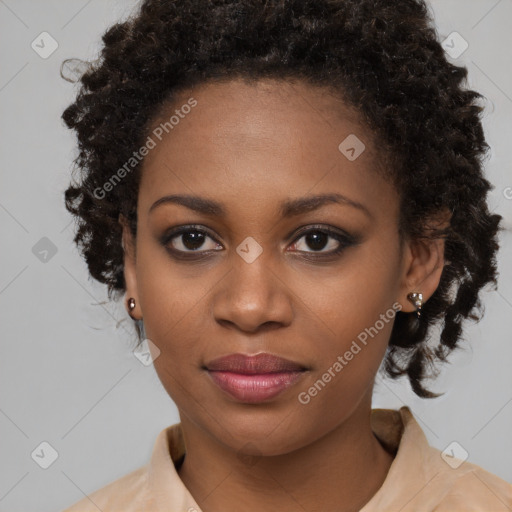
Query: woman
(289,195)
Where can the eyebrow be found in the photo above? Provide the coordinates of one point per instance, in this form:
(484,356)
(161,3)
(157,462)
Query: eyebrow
(289,208)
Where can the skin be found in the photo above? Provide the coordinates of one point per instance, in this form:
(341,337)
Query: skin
(251,147)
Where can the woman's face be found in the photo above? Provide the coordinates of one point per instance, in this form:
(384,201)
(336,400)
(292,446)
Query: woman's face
(256,273)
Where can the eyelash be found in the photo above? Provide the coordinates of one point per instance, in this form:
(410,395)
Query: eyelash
(344,239)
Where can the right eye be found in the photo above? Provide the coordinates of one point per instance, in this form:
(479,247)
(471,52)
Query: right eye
(189,239)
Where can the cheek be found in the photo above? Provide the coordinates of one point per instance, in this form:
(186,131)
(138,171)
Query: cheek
(354,296)
(171,304)
(348,354)
(172,308)
(346,362)
(351,315)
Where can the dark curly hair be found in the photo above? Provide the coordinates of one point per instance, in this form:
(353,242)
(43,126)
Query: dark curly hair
(380,56)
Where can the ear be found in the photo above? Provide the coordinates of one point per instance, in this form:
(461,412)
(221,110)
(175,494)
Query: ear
(130,276)
(424,262)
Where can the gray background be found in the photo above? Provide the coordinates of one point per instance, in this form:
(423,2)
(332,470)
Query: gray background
(67,374)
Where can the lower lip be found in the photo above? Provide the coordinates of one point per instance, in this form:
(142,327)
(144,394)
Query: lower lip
(254,388)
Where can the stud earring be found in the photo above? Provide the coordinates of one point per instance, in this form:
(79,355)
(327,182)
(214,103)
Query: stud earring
(131,305)
(416,299)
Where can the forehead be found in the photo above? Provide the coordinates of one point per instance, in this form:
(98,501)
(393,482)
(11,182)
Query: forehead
(258,140)
(270,111)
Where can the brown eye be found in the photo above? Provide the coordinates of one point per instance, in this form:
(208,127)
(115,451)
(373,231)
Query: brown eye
(188,239)
(317,239)
(192,240)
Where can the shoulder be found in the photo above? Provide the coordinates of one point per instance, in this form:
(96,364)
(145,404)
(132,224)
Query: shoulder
(424,478)
(468,486)
(126,494)
(153,487)
(451,482)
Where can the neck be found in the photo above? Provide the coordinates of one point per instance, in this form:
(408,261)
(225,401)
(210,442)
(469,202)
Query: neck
(345,468)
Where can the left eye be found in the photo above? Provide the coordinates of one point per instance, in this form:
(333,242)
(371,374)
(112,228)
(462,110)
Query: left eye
(318,239)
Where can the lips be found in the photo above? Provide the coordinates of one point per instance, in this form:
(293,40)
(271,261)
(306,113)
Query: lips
(252,365)
(256,378)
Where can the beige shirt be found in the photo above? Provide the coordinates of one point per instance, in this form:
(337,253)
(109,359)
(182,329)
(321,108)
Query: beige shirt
(419,478)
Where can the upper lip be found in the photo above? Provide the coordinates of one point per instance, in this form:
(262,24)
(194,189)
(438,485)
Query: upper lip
(254,364)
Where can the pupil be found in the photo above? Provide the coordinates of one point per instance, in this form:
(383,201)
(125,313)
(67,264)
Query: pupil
(316,240)
(193,240)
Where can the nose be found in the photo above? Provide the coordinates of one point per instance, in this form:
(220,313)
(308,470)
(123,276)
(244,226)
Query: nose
(252,297)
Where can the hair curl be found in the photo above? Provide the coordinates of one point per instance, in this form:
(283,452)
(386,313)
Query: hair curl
(381,57)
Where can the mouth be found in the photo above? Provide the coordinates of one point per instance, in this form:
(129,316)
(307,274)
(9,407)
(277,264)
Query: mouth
(254,378)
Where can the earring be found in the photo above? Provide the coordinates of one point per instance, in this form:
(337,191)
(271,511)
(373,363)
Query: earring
(417,300)
(131,305)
